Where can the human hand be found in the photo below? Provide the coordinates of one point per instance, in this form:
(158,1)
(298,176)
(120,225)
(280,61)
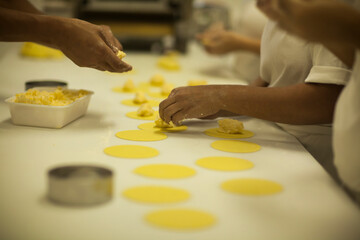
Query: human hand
(89,45)
(191,102)
(217,40)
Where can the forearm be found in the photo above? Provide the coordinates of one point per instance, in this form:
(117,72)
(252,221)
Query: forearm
(19,5)
(20,26)
(247,44)
(298,104)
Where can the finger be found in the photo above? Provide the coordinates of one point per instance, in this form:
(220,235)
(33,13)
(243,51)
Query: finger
(108,37)
(116,64)
(164,104)
(170,110)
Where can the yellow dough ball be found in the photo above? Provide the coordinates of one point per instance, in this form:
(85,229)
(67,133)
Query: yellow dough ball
(129,86)
(230,126)
(166,89)
(157,80)
(145,110)
(161,124)
(120,54)
(140,98)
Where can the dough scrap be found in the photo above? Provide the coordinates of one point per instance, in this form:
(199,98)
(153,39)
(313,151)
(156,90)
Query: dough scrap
(120,54)
(230,126)
(162,124)
(145,110)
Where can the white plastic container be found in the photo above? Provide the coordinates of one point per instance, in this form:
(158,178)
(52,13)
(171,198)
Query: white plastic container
(47,116)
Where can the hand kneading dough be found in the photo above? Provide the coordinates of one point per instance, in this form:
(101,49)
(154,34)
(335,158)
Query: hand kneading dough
(140,98)
(230,126)
(157,80)
(129,86)
(145,110)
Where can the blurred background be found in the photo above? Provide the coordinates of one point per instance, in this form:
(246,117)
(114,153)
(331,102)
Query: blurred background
(154,25)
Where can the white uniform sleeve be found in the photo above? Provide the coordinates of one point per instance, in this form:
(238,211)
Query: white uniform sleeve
(327,68)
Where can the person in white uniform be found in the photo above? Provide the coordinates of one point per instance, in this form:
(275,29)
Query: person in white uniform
(298,87)
(241,43)
(306,19)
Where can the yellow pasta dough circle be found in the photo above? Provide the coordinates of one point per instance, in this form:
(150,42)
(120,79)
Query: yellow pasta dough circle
(180,219)
(131,151)
(224,163)
(235,146)
(135,116)
(121,90)
(165,171)
(141,135)
(130,102)
(156,194)
(151,126)
(213,132)
(252,186)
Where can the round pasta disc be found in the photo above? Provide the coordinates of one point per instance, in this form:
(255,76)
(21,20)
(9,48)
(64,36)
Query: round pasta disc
(156,194)
(130,102)
(141,135)
(131,151)
(224,163)
(121,90)
(165,171)
(252,186)
(135,116)
(213,132)
(235,146)
(180,219)
(151,126)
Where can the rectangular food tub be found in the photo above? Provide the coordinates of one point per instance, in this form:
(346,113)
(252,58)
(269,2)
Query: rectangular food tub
(45,115)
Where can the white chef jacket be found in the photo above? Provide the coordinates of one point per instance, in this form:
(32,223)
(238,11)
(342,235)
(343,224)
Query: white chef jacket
(346,139)
(288,60)
(250,23)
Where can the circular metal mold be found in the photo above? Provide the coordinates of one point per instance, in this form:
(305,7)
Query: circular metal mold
(80,185)
(45,83)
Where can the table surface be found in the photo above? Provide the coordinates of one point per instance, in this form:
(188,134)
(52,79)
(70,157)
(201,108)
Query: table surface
(312,205)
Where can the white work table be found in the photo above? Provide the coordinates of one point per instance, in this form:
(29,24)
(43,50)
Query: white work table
(311,206)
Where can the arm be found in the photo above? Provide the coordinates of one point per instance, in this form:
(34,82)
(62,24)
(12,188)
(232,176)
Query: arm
(222,42)
(298,104)
(19,5)
(86,44)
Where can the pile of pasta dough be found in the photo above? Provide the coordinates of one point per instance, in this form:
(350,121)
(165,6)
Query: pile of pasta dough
(58,97)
